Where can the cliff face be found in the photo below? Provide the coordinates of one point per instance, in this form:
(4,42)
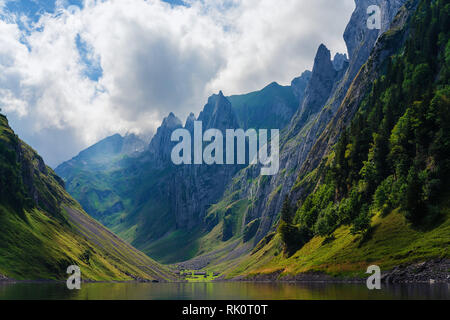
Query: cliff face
(218,114)
(360,39)
(361,198)
(299,85)
(161,145)
(323,96)
(323,78)
(199,186)
(387,45)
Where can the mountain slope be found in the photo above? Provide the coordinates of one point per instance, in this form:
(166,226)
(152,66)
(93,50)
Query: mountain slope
(322,97)
(88,169)
(271,107)
(43,230)
(392,243)
(375,188)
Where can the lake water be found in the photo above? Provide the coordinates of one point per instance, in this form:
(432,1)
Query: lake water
(219,291)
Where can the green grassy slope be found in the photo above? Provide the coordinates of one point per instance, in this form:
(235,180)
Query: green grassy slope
(43,230)
(392,241)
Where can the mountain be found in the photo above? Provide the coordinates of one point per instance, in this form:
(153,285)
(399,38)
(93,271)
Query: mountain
(171,205)
(338,124)
(100,187)
(104,153)
(323,95)
(161,146)
(43,230)
(90,166)
(374,188)
(271,107)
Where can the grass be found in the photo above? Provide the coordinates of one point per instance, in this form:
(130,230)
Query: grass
(176,246)
(392,242)
(53,232)
(40,247)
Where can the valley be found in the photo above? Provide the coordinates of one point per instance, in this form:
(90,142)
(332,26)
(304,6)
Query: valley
(362,179)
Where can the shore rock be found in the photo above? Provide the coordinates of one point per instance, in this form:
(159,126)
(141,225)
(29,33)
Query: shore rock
(431,271)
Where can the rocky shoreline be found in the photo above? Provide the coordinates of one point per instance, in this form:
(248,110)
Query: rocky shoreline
(431,271)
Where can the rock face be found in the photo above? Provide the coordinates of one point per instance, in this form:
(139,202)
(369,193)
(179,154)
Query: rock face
(323,96)
(189,125)
(318,90)
(161,145)
(299,84)
(387,46)
(358,37)
(218,114)
(196,186)
(339,61)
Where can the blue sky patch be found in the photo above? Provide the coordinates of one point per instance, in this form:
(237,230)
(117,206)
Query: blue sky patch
(92,66)
(33,9)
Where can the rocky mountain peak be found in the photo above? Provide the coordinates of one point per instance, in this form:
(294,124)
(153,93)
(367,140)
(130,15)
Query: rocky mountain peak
(322,61)
(318,89)
(132,144)
(218,113)
(104,153)
(357,36)
(339,61)
(171,121)
(189,125)
(299,84)
(161,145)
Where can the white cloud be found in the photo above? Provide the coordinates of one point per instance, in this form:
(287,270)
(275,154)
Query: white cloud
(155,58)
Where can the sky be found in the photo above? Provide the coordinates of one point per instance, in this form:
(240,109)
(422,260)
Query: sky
(73,72)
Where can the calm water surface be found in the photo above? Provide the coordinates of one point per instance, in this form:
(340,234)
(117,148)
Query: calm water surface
(219,291)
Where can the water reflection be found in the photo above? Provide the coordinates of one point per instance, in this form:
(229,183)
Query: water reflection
(220,291)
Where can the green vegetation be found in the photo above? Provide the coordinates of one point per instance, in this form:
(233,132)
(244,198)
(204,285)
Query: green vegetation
(250,229)
(395,154)
(13,193)
(391,242)
(43,230)
(179,245)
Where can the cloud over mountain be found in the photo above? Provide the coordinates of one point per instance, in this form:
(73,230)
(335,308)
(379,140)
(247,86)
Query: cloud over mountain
(77,74)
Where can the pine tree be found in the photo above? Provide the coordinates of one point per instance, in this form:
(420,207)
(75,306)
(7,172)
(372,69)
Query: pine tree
(286,211)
